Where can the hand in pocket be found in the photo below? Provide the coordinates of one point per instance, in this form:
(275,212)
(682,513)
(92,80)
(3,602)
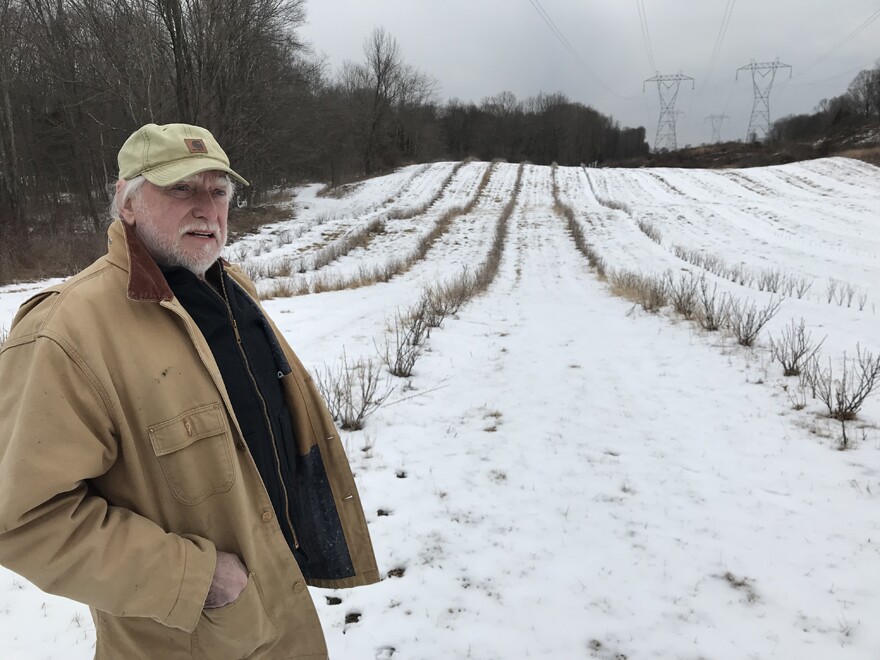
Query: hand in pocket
(230,579)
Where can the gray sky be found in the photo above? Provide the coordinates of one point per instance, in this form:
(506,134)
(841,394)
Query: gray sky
(477,48)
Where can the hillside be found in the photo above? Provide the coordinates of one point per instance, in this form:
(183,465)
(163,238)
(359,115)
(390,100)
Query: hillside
(572,471)
(859,141)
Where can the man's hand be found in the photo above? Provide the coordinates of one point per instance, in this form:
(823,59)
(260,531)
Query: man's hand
(230,579)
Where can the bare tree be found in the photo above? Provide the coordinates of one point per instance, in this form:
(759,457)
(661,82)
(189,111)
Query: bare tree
(864,92)
(377,89)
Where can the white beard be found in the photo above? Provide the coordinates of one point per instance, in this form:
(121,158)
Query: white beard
(168,251)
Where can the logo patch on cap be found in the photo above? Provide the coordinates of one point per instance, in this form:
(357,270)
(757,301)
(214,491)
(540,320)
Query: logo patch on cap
(196,146)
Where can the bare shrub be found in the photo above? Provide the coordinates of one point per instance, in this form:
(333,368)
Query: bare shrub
(285,267)
(4,334)
(447,298)
(770,280)
(810,371)
(831,290)
(843,396)
(794,349)
(613,204)
(684,253)
(435,311)
(47,252)
(437,305)
(840,292)
(713,310)
(714,264)
(327,282)
(353,391)
(802,287)
(797,395)
(863,298)
(649,230)
(649,292)
(237,252)
(403,343)
(684,293)
(735,273)
(325,217)
(745,320)
(283,288)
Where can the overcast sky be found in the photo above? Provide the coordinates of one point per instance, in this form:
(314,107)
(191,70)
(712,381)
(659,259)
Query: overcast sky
(477,48)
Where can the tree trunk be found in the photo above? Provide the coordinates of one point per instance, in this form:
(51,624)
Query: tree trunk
(10,159)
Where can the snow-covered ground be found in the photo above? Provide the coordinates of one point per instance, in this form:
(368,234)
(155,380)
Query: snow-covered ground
(566,476)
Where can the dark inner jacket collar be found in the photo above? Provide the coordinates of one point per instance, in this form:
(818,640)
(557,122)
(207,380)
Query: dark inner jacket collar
(179,276)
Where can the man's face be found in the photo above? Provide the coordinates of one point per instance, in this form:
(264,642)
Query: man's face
(183,224)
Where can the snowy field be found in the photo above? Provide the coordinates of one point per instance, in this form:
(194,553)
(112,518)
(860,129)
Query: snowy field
(566,475)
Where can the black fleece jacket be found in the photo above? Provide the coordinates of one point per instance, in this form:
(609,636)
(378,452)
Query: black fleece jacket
(239,338)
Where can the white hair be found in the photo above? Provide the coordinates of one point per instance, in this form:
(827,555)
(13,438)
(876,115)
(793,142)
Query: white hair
(132,187)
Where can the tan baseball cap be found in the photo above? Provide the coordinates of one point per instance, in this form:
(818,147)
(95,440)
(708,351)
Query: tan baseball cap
(166,154)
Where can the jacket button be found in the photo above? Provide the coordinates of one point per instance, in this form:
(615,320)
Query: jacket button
(298,587)
(239,446)
(267,516)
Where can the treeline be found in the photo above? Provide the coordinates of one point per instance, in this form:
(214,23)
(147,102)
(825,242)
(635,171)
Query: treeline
(544,129)
(859,105)
(78,76)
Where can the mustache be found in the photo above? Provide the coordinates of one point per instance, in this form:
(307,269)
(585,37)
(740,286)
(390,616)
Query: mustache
(201,229)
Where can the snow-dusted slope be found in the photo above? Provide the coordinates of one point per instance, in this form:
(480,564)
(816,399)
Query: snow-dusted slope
(565,476)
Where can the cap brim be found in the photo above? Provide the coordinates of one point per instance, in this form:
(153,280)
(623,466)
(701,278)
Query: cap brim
(165,175)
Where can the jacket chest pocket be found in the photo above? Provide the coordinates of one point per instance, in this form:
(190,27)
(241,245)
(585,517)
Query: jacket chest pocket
(194,451)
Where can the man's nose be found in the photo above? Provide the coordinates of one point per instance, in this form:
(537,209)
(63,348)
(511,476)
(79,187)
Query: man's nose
(204,204)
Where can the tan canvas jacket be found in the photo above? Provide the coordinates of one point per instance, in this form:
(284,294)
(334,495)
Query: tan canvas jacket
(123,471)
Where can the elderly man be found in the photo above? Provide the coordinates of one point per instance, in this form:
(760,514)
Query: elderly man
(164,456)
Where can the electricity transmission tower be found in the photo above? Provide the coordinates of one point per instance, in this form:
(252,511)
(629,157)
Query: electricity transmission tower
(667,86)
(717,120)
(763,74)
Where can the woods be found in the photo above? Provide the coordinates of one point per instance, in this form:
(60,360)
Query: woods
(858,106)
(77,76)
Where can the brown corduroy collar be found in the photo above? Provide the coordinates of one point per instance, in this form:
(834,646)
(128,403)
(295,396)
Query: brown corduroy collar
(145,280)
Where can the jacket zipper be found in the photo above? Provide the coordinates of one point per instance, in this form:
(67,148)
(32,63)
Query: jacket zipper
(265,411)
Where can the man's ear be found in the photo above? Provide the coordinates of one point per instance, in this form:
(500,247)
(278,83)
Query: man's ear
(126,211)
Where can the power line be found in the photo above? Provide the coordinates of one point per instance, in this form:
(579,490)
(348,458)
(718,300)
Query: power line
(835,76)
(722,32)
(864,24)
(565,43)
(646,36)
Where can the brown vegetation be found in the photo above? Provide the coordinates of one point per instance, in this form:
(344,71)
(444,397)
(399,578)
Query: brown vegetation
(48,253)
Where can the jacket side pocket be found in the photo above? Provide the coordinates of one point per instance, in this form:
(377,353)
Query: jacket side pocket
(194,451)
(235,631)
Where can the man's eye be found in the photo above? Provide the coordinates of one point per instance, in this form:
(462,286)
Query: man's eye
(219,193)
